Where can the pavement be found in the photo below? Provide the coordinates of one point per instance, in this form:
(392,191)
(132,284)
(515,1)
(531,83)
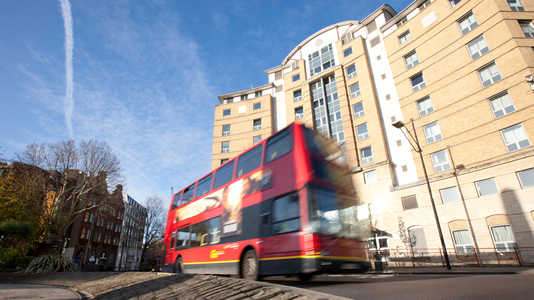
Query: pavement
(160,286)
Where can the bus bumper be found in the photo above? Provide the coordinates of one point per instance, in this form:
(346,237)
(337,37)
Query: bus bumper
(322,265)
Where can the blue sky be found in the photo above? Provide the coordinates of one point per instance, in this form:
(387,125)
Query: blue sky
(144,76)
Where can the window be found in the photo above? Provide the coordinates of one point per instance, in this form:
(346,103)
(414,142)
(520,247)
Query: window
(453,3)
(487,187)
(227,101)
(375,42)
(321,60)
(355,90)
(409,202)
(515,138)
(449,195)
(257,94)
(286,216)
(489,75)
(223,175)
(204,186)
(225,148)
(347,52)
(503,238)
(214,230)
(425,5)
(296,77)
(85,233)
(351,71)
(249,161)
(404,37)
(417,238)
(299,113)
(358,110)
(297,95)
(462,241)
(257,124)
(257,105)
(526,178)
(516,5)
(411,60)
(363,133)
(402,22)
(478,47)
(467,23)
(182,238)
(224,160)
(367,155)
(226,130)
(278,146)
(256,139)
(108,223)
(227,112)
(418,82)
(501,105)
(188,194)
(369,177)
(440,160)
(526,26)
(425,106)
(432,133)
(244,97)
(199,234)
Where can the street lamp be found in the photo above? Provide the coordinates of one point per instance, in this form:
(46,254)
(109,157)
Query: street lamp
(399,125)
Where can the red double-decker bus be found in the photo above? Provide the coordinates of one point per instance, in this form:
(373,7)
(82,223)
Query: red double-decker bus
(286,206)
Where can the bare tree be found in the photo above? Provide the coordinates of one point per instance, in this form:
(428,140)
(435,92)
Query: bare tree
(155,221)
(80,179)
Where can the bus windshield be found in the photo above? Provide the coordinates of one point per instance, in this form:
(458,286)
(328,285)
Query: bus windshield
(332,213)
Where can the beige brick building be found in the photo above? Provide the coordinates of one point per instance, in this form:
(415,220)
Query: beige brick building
(457,69)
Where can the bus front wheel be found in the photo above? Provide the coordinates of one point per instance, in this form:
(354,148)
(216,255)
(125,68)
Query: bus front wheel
(249,266)
(179,265)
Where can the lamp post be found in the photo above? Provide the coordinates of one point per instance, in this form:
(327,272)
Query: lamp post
(399,125)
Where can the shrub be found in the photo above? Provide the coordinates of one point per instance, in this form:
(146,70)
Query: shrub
(8,258)
(50,263)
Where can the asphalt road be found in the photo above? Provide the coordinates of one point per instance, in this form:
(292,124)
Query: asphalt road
(418,286)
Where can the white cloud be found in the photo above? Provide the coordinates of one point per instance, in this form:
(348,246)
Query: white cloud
(69,46)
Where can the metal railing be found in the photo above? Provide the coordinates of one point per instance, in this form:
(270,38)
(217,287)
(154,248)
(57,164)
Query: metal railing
(433,257)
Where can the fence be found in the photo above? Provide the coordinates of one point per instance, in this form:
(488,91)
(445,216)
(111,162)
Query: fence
(433,257)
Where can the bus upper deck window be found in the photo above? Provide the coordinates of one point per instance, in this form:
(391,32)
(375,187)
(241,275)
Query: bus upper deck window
(223,175)
(188,194)
(249,161)
(204,185)
(176,200)
(278,146)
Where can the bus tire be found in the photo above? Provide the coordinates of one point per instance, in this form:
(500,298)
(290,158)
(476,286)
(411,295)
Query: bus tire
(305,277)
(250,268)
(179,265)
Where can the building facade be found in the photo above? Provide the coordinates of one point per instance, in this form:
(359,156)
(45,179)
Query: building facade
(456,72)
(131,242)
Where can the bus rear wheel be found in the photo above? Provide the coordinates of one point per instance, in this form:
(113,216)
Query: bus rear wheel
(250,268)
(305,277)
(179,265)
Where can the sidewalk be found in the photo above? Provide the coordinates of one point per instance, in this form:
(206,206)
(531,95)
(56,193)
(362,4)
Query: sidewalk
(32,291)
(455,270)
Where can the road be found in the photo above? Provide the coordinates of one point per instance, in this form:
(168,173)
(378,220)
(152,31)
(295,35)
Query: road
(418,286)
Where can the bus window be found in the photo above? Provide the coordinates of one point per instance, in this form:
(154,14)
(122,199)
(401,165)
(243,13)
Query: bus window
(182,240)
(199,234)
(188,194)
(286,214)
(173,240)
(176,200)
(224,174)
(249,161)
(215,230)
(278,146)
(204,185)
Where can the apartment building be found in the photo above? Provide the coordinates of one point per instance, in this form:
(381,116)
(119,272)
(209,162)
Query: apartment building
(457,72)
(131,241)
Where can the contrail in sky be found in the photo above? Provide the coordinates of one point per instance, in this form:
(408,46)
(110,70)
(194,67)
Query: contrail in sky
(68,104)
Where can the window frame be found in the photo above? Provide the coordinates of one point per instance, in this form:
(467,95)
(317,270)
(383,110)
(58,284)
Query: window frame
(427,110)
(443,199)
(365,177)
(404,37)
(249,161)
(276,140)
(481,51)
(478,188)
(222,171)
(287,219)
(256,124)
(353,73)
(434,138)
(462,248)
(367,159)
(493,78)
(406,198)
(470,27)
(360,113)
(519,7)
(227,112)
(347,52)
(528,33)
(296,77)
(420,85)
(442,164)
(504,110)
(413,63)
(364,135)
(256,106)
(527,171)
(299,115)
(517,142)
(299,97)
(507,242)
(227,132)
(358,92)
(223,148)
(254,142)
(454,3)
